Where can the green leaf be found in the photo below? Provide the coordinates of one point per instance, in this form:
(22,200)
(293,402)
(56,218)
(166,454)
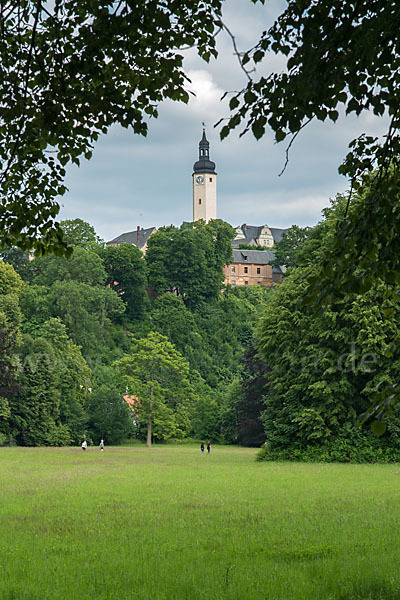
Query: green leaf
(378,427)
(233,103)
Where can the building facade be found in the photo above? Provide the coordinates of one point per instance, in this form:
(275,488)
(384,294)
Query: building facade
(204,184)
(257,235)
(251,267)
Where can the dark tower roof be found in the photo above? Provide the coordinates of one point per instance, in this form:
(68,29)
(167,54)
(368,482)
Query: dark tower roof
(204,164)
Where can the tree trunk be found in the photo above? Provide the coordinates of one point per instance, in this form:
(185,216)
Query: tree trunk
(150,422)
(149,433)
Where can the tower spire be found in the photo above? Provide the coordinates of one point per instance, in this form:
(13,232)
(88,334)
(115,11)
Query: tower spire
(204,164)
(204,183)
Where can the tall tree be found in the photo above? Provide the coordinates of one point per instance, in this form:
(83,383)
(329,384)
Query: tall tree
(324,367)
(8,375)
(250,403)
(74,378)
(80,233)
(288,250)
(69,70)
(35,410)
(190,260)
(158,374)
(126,274)
(109,417)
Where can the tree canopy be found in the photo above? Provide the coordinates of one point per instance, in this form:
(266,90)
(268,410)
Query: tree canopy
(69,70)
(325,366)
(158,374)
(189,260)
(338,54)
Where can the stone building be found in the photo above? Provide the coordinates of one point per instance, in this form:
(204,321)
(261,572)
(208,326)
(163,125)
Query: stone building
(257,235)
(251,267)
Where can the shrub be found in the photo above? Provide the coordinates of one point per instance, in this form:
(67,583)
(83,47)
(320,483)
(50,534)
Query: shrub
(360,447)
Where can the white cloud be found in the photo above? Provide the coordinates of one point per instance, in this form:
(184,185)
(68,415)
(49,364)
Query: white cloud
(206,93)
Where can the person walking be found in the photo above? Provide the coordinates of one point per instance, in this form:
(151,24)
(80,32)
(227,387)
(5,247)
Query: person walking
(101,447)
(84,445)
(202,447)
(208,447)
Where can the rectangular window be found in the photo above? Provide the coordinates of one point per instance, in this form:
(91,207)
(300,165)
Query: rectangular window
(233,282)
(210,179)
(199,200)
(258,270)
(246,269)
(259,282)
(246,283)
(233,269)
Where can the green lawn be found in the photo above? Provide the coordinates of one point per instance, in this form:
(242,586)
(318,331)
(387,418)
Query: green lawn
(170,523)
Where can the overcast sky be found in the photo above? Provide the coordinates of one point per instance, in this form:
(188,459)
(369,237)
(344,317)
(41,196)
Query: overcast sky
(133,181)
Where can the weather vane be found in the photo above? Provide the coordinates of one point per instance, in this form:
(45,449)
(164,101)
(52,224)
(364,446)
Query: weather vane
(204,126)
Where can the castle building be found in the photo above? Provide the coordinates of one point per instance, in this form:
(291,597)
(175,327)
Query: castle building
(248,267)
(251,267)
(204,184)
(257,235)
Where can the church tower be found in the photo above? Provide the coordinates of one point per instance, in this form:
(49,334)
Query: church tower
(204,184)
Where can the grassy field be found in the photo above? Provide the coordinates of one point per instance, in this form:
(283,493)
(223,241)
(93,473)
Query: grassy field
(170,523)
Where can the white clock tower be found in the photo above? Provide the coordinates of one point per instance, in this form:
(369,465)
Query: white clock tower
(204,184)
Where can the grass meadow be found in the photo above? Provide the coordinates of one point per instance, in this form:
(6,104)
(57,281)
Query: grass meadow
(172,524)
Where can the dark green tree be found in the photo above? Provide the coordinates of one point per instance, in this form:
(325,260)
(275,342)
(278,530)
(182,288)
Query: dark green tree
(19,260)
(250,403)
(8,376)
(190,260)
(126,274)
(109,416)
(35,410)
(324,367)
(74,378)
(288,250)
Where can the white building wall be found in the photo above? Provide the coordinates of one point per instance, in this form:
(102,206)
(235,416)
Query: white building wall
(205,197)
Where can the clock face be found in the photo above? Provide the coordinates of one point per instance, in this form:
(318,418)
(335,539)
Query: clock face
(199,179)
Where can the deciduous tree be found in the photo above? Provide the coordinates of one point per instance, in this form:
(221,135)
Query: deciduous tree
(287,250)
(323,367)
(126,274)
(69,70)
(190,260)
(339,55)
(158,374)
